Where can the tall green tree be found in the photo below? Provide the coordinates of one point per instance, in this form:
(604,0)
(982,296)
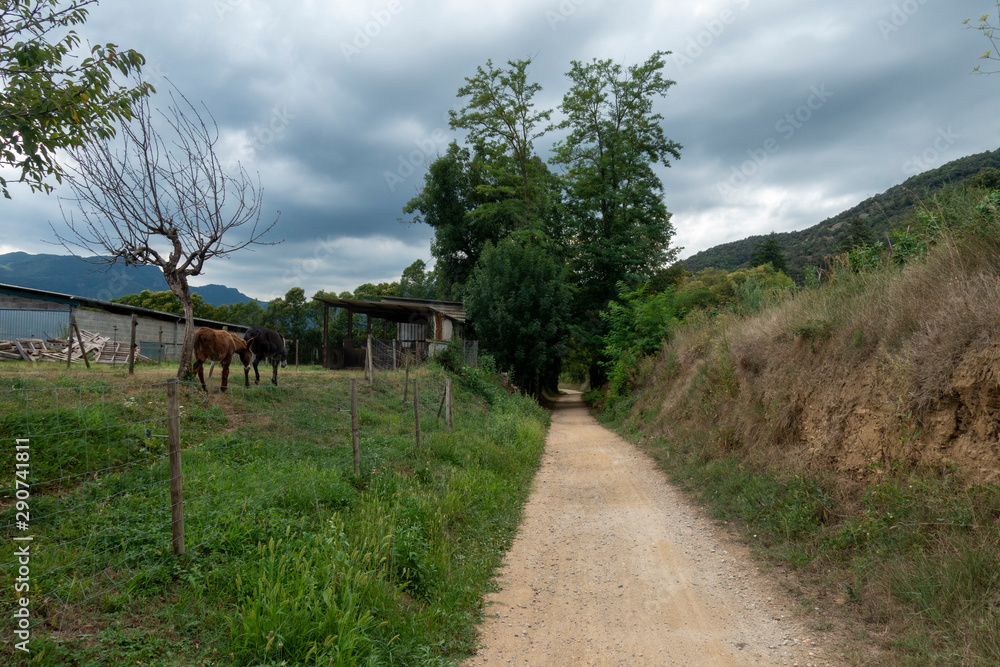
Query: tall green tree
(291,315)
(769,251)
(502,122)
(167,302)
(519,302)
(417,282)
(444,204)
(858,235)
(618,220)
(50,99)
(249,313)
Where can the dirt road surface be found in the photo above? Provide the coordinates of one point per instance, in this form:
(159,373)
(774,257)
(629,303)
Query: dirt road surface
(612,566)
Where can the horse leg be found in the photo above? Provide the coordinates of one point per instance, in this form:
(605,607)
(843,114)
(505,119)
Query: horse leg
(225,375)
(246,374)
(256,373)
(199,368)
(274,375)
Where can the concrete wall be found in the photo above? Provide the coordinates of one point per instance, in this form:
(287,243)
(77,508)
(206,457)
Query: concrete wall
(147,331)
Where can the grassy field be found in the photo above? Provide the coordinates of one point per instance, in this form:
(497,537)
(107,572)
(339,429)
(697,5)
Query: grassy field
(290,557)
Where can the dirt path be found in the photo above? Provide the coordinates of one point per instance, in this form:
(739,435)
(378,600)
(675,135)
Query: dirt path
(611,566)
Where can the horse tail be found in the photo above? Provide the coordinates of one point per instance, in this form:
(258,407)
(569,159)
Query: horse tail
(196,348)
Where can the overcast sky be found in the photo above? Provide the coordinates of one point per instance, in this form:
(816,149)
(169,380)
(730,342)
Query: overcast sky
(788,112)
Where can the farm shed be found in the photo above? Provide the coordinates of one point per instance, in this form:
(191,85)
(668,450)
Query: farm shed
(422,325)
(26,312)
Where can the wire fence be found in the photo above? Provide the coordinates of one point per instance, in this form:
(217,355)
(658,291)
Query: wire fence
(391,354)
(89,504)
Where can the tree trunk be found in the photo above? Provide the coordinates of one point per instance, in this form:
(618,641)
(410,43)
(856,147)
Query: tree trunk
(178,285)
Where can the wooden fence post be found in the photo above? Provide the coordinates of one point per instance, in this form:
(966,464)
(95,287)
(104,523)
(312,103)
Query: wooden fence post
(355,445)
(371,362)
(79,339)
(159,349)
(69,348)
(416,412)
(176,477)
(131,345)
(406,380)
(448,405)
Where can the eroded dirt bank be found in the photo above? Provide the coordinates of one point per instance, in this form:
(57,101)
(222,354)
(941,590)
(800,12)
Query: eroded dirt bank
(611,566)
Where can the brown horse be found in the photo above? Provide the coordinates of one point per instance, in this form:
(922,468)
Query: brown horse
(214,345)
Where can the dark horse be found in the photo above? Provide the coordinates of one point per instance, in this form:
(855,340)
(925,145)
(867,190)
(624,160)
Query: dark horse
(266,344)
(216,345)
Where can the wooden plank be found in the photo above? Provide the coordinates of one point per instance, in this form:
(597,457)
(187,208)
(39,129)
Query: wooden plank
(24,355)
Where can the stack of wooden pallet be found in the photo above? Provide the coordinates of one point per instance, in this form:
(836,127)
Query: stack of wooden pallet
(29,349)
(105,350)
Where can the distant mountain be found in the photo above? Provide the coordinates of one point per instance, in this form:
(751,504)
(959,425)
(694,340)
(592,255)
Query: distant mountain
(810,247)
(220,295)
(90,278)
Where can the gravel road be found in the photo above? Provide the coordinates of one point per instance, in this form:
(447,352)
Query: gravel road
(612,566)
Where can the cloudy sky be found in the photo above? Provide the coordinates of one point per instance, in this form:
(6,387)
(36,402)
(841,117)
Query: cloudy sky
(788,112)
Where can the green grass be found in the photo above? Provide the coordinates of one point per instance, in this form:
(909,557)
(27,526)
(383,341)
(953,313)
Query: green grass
(290,557)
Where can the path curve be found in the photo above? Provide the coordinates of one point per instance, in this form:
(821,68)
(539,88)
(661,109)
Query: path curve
(612,566)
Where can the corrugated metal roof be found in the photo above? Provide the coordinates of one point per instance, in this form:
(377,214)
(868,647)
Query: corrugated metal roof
(108,306)
(398,309)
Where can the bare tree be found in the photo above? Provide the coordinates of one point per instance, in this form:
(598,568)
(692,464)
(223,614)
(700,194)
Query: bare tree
(162,198)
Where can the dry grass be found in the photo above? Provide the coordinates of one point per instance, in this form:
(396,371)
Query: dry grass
(882,388)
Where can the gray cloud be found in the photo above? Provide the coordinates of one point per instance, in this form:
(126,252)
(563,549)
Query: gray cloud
(340,106)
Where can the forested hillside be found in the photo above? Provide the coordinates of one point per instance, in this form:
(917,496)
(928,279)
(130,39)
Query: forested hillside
(810,247)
